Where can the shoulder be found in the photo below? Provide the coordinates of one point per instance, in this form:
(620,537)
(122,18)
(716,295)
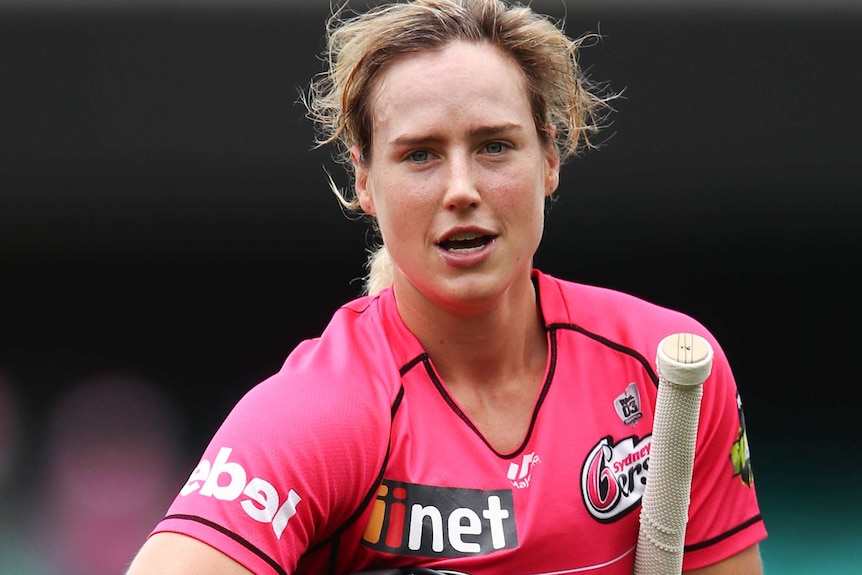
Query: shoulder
(612,314)
(623,321)
(332,398)
(318,428)
(354,339)
(346,376)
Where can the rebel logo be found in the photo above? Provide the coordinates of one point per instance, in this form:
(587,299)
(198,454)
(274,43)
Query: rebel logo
(431,521)
(614,476)
(228,481)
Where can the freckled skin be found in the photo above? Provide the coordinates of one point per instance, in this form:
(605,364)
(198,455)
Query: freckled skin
(455,146)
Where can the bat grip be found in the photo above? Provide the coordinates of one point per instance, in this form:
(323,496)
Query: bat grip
(683,362)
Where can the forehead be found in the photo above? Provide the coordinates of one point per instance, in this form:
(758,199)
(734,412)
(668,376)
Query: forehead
(463,80)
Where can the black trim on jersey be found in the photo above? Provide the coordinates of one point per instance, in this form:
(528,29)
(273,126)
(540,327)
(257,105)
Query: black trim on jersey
(224,531)
(541,399)
(744,525)
(333,555)
(612,344)
(369,495)
(410,364)
(335,537)
(552,369)
(429,370)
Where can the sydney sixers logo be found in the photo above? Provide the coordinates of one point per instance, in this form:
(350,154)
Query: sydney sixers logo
(614,476)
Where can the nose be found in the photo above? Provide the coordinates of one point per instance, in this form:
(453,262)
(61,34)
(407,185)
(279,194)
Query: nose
(461,185)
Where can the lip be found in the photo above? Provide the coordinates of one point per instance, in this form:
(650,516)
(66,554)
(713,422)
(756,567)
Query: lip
(465,258)
(461,230)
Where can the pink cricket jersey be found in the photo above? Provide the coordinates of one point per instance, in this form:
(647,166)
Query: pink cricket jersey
(354,455)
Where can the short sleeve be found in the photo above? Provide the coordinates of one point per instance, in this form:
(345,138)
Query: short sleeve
(292,461)
(724,516)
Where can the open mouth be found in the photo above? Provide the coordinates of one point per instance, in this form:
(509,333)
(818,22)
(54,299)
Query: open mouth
(465,242)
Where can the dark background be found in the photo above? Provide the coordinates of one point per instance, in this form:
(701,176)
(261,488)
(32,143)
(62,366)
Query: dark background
(162,212)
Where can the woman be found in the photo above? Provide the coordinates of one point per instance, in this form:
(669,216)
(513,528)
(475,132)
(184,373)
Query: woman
(471,414)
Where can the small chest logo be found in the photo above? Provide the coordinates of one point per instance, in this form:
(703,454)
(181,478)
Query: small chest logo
(628,404)
(521,474)
(614,476)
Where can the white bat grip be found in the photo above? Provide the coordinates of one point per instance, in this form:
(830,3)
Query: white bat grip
(683,362)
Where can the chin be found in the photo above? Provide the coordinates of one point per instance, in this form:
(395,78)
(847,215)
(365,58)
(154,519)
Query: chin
(470,293)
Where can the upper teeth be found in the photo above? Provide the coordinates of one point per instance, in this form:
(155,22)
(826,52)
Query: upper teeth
(464,236)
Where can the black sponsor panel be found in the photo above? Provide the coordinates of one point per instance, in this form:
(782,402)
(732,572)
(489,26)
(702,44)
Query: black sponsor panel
(430,521)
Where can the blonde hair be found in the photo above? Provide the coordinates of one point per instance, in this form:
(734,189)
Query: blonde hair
(566,106)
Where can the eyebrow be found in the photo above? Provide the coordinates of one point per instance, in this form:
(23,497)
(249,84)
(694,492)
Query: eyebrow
(482,132)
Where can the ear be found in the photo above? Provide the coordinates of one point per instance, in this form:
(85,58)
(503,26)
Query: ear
(552,162)
(360,171)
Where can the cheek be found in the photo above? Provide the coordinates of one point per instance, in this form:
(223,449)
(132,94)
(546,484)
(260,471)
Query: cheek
(401,207)
(523,198)
(522,203)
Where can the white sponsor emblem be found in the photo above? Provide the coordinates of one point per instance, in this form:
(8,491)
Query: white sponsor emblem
(227,481)
(521,474)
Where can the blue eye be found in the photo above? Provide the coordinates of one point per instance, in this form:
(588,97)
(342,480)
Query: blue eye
(419,156)
(495,147)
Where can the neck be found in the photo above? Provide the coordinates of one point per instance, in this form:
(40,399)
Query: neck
(492,345)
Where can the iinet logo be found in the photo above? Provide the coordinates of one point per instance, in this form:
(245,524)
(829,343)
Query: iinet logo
(431,521)
(227,481)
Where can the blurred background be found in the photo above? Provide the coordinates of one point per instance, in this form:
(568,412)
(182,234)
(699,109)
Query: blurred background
(167,237)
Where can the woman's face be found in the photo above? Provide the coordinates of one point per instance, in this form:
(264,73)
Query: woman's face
(457,175)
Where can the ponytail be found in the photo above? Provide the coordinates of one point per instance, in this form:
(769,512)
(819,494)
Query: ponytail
(379,266)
